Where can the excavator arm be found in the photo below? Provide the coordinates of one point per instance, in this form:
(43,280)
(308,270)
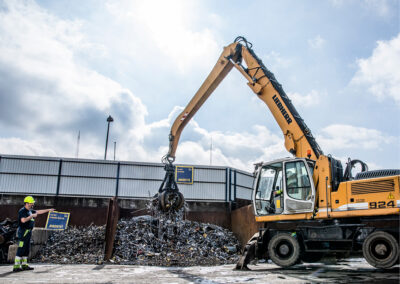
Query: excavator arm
(298,138)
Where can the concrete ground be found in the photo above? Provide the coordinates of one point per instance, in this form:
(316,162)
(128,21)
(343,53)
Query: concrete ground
(352,270)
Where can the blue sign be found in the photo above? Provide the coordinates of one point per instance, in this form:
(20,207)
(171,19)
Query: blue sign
(57,221)
(184,174)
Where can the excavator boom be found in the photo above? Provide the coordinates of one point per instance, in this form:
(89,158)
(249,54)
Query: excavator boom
(298,138)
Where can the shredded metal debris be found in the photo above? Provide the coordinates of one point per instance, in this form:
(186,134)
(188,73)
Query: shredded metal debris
(7,237)
(146,240)
(74,245)
(163,239)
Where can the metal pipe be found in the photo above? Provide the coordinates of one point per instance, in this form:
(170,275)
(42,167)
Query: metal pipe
(326,196)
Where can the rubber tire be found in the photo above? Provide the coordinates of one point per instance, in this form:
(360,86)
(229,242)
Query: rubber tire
(311,257)
(390,241)
(294,250)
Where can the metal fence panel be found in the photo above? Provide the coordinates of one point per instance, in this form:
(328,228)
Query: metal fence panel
(209,175)
(138,188)
(244,180)
(98,177)
(88,169)
(142,172)
(87,186)
(28,184)
(243,192)
(28,166)
(203,191)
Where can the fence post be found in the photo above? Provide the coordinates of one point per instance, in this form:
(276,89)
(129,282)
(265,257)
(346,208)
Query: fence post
(226,184)
(234,185)
(111,227)
(117,182)
(230,185)
(59,177)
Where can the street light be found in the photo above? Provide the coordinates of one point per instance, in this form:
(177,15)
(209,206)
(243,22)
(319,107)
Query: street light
(109,120)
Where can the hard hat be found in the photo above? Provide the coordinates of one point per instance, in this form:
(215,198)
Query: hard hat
(29,199)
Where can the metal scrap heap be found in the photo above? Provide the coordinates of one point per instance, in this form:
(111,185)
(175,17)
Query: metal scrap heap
(148,240)
(164,239)
(74,245)
(7,237)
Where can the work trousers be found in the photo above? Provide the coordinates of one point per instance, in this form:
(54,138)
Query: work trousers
(24,242)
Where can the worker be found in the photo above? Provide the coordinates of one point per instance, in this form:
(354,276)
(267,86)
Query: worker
(26,222)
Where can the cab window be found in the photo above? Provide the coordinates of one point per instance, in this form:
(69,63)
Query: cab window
(298,184)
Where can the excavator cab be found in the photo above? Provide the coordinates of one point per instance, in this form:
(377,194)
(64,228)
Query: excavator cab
(284,187)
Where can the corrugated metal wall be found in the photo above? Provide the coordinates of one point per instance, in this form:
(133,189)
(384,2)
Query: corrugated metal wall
(79,177)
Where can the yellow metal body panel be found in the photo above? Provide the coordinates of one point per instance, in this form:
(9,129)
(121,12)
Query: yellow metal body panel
(374,193)
(358,213)
(329,215)
(281,217)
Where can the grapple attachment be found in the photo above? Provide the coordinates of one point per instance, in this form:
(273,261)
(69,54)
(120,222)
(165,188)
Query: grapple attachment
(169,197)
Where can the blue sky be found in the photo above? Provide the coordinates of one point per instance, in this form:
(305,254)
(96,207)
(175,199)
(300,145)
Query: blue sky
(66,65)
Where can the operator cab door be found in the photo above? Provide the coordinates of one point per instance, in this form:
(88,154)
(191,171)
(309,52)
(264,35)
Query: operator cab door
(284,187)
(299,193)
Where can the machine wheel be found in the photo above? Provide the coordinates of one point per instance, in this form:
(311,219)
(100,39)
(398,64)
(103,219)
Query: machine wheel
(311,257)
(381,250)
(284,250)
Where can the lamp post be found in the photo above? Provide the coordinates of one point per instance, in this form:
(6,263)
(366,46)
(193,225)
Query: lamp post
(109,120)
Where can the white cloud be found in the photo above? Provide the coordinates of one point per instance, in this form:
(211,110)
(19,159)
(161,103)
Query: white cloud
(169,27)
(49,91)
(317,42)
(240,150)
(339,136)
(23,147)
(63,96)
(310,99)
(380,73)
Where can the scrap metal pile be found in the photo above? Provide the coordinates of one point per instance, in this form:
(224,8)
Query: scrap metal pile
(7,237)
(163,239)
(74,245)
(146,240)
(166,239)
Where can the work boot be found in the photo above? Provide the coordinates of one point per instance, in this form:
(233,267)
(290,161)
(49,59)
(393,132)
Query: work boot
(27,267)
(17,268)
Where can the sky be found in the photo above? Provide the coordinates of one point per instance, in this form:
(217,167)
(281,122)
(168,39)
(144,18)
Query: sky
(66,65)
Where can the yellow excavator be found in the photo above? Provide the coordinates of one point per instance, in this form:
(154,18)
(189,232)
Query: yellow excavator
(308,205)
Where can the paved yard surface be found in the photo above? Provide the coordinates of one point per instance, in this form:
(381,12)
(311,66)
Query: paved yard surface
(353,270)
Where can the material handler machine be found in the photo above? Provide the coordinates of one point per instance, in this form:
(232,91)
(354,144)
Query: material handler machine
(307,205)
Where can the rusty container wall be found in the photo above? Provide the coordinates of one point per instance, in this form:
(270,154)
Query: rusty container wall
(90,210)
(84,210)
(244,224)
(217,213)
